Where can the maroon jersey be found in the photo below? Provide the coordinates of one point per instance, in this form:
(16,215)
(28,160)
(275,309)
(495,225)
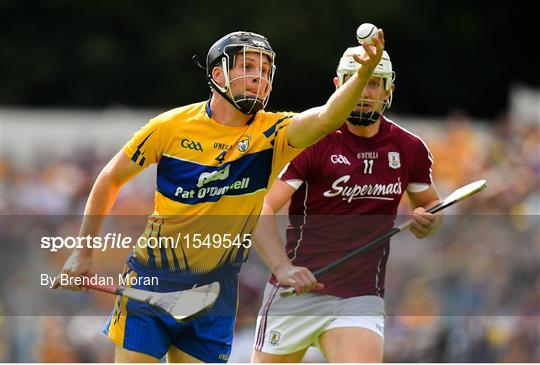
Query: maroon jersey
(348,192)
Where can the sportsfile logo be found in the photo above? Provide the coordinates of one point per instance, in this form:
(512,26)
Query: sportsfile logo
(191,144)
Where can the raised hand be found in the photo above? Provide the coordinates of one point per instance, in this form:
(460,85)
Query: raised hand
(372,54)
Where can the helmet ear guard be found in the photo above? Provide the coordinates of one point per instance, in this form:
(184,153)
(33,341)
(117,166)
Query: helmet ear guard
(223,53)
(213,82)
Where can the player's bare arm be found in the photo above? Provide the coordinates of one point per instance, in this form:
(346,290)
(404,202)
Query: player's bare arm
(268,244)
(313,124)
(116,173)
(424,223)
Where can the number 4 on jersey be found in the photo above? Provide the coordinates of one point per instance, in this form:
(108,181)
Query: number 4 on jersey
(221,157)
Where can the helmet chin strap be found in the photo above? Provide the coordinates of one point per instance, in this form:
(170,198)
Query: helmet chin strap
(363,119)
(248,105)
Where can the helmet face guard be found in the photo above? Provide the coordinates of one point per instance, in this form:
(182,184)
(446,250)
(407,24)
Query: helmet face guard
(233,48)
(348,66)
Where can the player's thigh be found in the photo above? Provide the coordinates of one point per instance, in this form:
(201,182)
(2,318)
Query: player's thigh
(177,355)
(259,356)
(352,344)
(123,355)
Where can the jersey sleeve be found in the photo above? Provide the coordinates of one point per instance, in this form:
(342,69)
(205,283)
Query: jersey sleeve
(421,174)
(145,147)
(283,151)
(299,169)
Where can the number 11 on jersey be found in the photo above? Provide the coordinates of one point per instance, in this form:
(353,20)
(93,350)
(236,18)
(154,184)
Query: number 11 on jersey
(368,166)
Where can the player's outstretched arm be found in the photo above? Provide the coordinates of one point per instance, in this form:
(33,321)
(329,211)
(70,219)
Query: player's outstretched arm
(425,224)
(267,242)
(313,124)
(116,173)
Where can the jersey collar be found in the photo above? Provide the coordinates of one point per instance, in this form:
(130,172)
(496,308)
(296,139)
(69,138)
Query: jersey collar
(209,111)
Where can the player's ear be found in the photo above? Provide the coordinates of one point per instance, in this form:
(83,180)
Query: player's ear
(217,75)
(391,91)
(387,93)
(336,82)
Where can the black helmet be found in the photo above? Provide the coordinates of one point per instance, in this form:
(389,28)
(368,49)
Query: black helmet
(222,54)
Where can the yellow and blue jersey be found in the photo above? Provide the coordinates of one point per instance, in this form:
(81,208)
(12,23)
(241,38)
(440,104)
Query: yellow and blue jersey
(211,181)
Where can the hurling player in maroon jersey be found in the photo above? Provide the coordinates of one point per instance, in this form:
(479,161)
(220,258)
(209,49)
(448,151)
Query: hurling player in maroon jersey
(344,191)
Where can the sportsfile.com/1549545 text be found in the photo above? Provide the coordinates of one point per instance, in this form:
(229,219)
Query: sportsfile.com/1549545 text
(117,240)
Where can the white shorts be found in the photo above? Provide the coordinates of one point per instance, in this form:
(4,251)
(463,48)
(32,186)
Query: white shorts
(288,325)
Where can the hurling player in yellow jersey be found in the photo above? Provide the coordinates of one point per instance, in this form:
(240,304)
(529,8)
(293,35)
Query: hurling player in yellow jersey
(216,160)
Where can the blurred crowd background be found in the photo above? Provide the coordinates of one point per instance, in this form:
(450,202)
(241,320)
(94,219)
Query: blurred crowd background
(77,83)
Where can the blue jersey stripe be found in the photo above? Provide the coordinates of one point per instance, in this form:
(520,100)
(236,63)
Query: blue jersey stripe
(137,153)
(162,253)
(192,183)
(239,259)
(186,262)
(151,257)
(175,260)
(267,133)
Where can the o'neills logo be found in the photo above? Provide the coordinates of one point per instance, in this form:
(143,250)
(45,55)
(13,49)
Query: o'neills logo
(367,191)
